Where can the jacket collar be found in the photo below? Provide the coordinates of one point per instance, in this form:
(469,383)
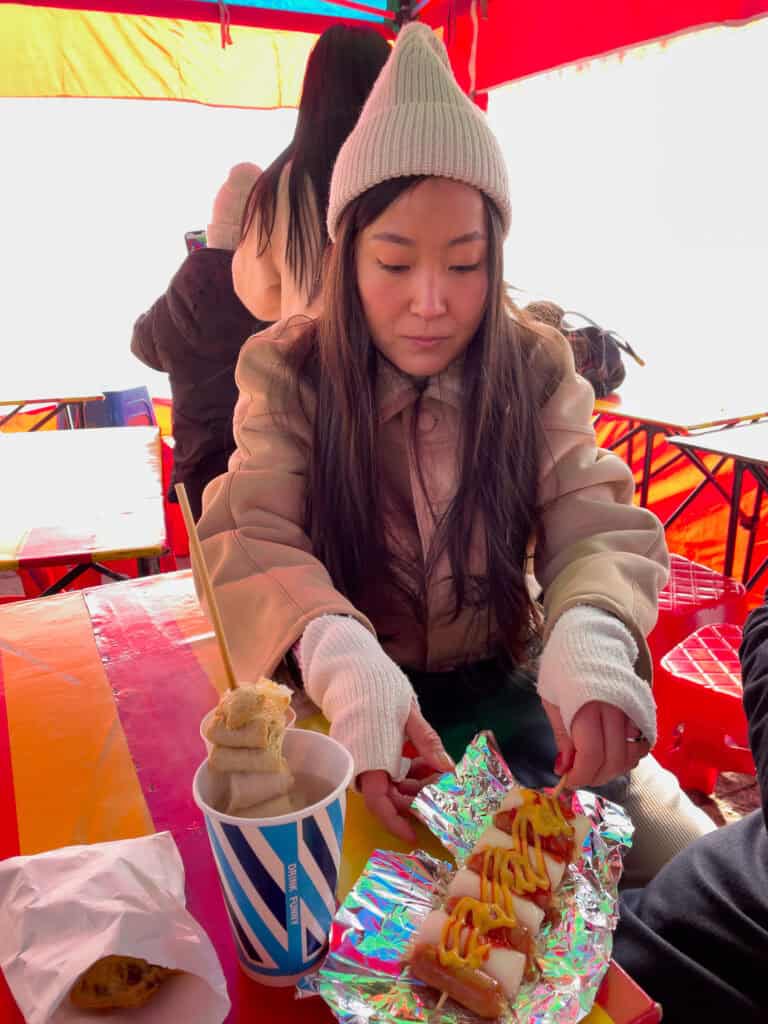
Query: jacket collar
(396,391)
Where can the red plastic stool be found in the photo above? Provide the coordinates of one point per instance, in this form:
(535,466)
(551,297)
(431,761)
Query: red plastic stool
(694,596)
(702,726)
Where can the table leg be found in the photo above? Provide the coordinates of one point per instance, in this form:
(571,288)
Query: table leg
(754,524)
(628,439)
(104,570)
(51,414)
(66,579)
(761,476)
(709,478)
(733,521)
(78,570)
(625,439)
(11,414)
(148,566)
(631,444)
(753,579)
(645,482)
(668,464)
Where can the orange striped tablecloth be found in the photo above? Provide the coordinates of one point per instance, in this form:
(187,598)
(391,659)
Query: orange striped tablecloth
(101,696)
(75,496)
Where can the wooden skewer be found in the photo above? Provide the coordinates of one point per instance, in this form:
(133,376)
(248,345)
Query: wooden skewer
(438,1006)
(202,571)
(560,786)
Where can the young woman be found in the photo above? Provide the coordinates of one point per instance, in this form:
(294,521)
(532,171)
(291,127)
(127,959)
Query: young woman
(277,268)
(404,458)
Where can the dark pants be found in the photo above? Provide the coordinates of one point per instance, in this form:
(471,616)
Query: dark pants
(461,703)
(196,479)
(488,695)
(696,937)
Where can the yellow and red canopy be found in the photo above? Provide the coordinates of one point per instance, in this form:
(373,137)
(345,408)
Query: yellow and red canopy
(179,49)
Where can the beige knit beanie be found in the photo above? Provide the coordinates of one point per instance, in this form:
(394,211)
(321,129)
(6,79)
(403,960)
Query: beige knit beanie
(224,230)
(418,121)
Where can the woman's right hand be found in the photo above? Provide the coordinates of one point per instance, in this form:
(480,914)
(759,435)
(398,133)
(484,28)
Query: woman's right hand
(388,800)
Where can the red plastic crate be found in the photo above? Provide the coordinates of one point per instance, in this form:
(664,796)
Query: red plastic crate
(694,596)
(702,724)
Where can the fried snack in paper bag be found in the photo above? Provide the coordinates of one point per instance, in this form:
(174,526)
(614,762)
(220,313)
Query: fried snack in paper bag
(87,928)
(118,982)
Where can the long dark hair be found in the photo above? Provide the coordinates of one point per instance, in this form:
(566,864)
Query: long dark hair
(499,443)
(342,67)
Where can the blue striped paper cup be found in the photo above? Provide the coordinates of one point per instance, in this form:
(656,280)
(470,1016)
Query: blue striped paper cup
(278,875)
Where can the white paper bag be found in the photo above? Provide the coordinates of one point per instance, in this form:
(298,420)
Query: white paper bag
(63,910)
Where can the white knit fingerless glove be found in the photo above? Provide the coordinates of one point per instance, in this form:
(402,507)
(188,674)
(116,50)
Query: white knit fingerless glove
(361,691)
(590,656)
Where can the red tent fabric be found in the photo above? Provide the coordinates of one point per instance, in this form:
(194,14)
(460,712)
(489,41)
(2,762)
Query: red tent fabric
(492,42)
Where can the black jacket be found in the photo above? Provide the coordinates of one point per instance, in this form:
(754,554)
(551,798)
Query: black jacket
(194,333)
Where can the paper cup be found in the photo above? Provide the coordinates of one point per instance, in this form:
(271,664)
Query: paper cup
(278,875)
(290,721)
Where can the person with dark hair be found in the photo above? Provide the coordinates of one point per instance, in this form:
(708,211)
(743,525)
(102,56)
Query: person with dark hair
(277,268)
(194,333)
(400,458)
(696,938)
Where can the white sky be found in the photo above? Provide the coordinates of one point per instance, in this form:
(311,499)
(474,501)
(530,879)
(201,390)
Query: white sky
(638,191)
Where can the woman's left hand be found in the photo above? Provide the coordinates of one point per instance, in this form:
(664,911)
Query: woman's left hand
(603,743)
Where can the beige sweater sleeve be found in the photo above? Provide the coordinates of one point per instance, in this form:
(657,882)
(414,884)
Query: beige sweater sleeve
(362,692)
(262,278)
(268,583)
(590,656)
(596,548)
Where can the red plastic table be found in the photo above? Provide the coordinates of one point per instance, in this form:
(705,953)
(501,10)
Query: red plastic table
(101,696)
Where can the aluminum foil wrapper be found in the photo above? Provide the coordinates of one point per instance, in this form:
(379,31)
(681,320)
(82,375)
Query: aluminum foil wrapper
(365,977)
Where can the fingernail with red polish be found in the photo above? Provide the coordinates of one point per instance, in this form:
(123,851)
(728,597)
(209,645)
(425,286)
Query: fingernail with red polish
(559,764)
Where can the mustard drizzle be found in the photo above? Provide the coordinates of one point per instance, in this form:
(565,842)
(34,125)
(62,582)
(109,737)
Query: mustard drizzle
(504,873)
(522,869)
(465,945)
